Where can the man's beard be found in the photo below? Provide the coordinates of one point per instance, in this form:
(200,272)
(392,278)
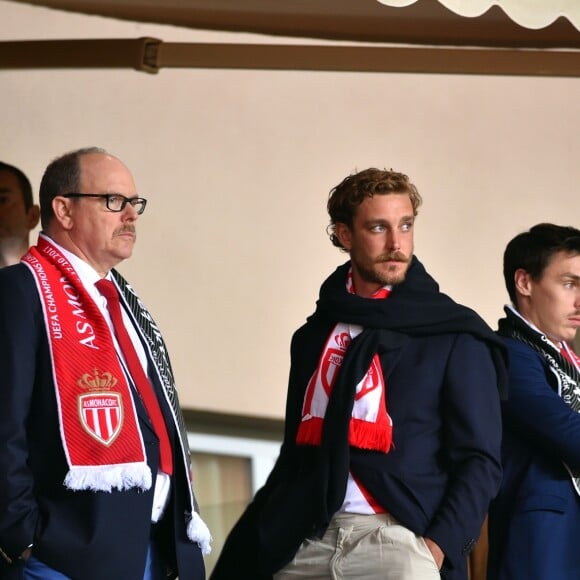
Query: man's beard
(374,275)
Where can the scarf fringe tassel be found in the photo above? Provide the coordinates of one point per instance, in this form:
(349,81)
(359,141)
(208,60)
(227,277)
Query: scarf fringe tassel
(197,531)
(109,477)
(361,434)
(365,435)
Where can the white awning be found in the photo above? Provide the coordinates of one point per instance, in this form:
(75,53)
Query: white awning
(529,13)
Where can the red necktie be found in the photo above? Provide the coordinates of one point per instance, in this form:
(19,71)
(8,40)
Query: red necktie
(570,355)
(144,387)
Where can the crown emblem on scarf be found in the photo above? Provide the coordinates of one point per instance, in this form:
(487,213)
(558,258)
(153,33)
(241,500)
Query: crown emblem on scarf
(342,340)
(97,381)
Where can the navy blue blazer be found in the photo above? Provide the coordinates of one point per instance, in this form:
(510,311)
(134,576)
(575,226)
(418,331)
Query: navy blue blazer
(534,523)
(83,534)
(438,479)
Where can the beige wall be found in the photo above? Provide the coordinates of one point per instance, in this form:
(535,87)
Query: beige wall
(237,166)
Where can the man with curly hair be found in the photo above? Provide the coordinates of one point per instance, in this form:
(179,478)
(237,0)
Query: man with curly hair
(391,449)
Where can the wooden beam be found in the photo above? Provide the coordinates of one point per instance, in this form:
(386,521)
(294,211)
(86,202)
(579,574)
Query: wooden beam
(151,55)
(427,60)
(98,53)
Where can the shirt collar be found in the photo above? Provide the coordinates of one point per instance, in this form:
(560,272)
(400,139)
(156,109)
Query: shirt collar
(88,275)
(558,346)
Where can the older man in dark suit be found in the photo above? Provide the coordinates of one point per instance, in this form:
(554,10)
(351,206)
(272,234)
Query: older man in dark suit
(96,478)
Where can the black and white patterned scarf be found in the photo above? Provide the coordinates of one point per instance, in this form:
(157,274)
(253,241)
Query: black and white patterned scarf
(566,373)
(197,530)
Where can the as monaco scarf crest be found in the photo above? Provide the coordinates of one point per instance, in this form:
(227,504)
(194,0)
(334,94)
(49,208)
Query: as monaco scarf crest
(100,410)
(370,425)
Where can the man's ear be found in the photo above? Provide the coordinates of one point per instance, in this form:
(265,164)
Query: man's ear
(523,282)
(344,235)
(61,206)
(32,217)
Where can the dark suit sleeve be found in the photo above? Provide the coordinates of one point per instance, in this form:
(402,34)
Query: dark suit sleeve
(20,329)
(244,554)
(541,416)
(472,438)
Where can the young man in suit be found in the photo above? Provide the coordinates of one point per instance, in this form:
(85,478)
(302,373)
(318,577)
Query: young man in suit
(96,479)
(392,434)
(535,521)
(18,214)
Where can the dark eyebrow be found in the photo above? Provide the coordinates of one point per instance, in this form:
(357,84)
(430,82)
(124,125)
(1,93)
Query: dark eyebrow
(409,218)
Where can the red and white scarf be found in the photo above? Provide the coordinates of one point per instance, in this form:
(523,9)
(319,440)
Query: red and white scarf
(98,421)
(370,425)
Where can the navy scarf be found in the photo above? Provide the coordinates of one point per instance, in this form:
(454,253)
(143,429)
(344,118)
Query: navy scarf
(415,308)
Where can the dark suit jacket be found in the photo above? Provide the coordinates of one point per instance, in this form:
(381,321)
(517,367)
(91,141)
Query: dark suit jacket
(534,524)
(83,534)
(437,480)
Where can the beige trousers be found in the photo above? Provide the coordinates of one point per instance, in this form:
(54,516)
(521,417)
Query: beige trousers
(363,547)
